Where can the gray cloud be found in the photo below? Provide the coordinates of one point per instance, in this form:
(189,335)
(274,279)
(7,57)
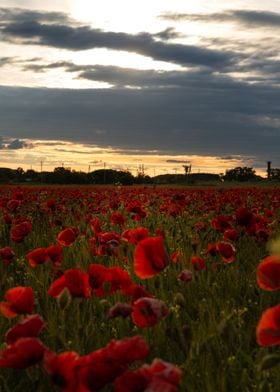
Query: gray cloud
(249,18)
(20,14)
(207,115)
(6,61)
(16,144)
(21,28)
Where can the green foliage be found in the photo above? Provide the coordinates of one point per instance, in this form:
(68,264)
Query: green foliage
(240,174)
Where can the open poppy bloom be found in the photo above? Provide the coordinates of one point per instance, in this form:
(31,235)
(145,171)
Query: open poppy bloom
(159,376)
(150,257)
(23,353)
(198,263)
(20,231)
(227,251)
(7,255)
(107,280)
(133,236)
(28,327)
(75,280)
(67,236)
(268,273)
(61,369)
(147,311)
(101,367)
(268,329)
(19,300)
(37,256)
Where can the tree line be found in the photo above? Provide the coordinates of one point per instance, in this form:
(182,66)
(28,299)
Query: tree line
(62,175)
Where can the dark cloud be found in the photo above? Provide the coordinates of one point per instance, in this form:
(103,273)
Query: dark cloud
(249,18)
(176,161)
(16,145)
(6,61)
(21,28)
(207,115)
(7,144)
(20,14)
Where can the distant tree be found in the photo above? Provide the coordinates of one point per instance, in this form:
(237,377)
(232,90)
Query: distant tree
(240,174)
(275,174)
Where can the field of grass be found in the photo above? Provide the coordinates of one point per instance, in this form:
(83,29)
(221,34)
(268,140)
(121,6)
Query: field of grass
(181,262)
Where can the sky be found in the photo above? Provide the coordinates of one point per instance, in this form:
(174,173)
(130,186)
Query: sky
(90,84)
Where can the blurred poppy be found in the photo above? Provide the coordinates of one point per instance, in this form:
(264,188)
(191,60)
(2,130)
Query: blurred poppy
(185,276)
(227,251)
(106,280)
(37,256)
(23,353)
(61,369)
(221,223)
(19,300)
(118,218)
(67,236)
(268,329)
(75,280)
(230,235)
(198,263)
(160,376)
(268,273)
(119,310)
(147,311)
(7,255)
(133,236)
(20,231)
(54,253)
(150,257)
(30,326)
(101,367)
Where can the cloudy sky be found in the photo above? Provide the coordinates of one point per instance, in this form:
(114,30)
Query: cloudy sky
(155,82)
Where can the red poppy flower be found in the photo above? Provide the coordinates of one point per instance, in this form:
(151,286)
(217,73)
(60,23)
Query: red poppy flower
(101,367)
(268,273)
(76,281)
(118,218)
(37,256)
(135,291)
(108,243)
(185,276)
(20,300)
(7,255)
(230,235)
(221,223)
(119,310)
(133,236)
(29,327)
(20,231)
(150,257)
(211,249)
(198,263)
(95,225)
(23,353)
(268,329)
(67,236)
(148,311)
(61,369)
(245,217)
(106,280)
(54,253)
(158,377)
(227,251)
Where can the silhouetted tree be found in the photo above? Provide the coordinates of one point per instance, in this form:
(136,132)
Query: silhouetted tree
(240,174)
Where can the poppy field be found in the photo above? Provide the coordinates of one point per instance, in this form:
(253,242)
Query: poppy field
(132,289)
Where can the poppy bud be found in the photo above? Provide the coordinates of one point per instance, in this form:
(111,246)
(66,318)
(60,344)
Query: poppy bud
(64,299)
